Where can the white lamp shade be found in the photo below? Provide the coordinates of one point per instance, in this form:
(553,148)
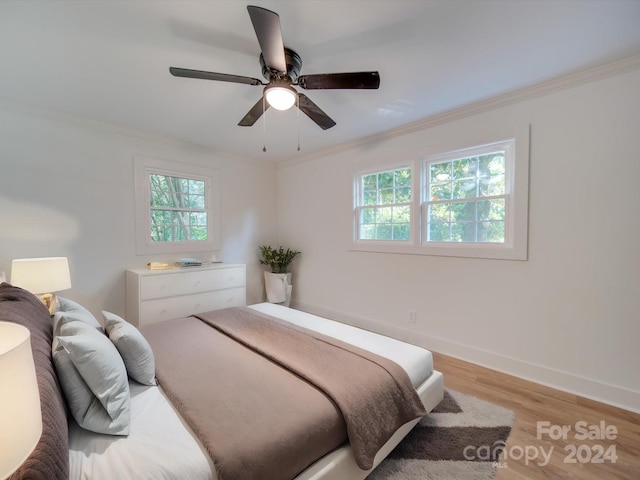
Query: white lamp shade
(41,275)
(281,98)
(20,416)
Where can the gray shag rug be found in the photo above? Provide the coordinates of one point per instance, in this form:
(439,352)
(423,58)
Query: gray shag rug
(461,439)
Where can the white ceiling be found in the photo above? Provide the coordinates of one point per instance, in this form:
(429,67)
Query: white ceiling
(108,61)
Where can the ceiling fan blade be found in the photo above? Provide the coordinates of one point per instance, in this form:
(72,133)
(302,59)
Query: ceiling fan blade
(267,26)
(352,80)
(222,77)
(255,113)
(314,112)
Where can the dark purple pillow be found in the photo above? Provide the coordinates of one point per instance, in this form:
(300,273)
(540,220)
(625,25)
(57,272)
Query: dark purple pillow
(50,459)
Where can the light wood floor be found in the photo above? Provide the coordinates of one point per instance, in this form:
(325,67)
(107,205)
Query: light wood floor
(533,403)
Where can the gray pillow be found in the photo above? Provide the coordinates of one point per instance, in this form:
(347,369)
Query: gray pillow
(68,310)
(133,347)
(93,378)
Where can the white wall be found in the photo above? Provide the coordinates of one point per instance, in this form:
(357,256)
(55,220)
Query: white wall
(67,189)
(568,317)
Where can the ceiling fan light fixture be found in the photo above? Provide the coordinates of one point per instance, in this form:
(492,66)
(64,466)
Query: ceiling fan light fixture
(280,97)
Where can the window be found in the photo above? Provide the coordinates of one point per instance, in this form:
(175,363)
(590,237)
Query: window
(472,202)
(178,211)
(383,205)
(466,195)
(176,207)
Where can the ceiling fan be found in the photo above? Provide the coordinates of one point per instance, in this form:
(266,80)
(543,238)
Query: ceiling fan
(281,68)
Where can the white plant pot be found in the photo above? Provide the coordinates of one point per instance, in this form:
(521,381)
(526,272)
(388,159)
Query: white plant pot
(278,287)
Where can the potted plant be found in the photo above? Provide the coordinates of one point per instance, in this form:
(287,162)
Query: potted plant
(278,260)
(278,281)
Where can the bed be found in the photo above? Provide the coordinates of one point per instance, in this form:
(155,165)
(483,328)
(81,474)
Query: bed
(161,440)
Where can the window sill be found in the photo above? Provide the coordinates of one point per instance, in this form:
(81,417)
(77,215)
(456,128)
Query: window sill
(479,250)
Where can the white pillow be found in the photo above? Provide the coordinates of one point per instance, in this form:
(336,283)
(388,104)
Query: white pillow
(68,310)
(133,347)
(93,378)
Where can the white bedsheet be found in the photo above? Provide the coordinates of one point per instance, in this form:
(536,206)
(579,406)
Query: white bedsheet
(161,446)
(417,361)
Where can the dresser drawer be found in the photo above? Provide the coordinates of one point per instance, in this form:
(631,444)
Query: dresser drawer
(155,296)
(189,282)
(159,310)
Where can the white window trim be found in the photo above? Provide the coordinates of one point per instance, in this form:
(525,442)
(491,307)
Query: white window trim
(143,167)
(517,224)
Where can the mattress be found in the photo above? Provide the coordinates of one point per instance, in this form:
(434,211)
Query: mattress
(161,445)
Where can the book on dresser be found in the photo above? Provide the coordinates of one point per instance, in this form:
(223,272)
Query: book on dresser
(158,295)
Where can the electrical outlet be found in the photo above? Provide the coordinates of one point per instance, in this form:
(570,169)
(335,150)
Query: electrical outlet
(412,316)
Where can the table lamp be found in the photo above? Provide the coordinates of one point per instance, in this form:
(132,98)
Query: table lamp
(42,276)
(20,415)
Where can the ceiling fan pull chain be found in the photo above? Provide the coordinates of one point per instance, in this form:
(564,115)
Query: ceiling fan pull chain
(298,105)
(264,126)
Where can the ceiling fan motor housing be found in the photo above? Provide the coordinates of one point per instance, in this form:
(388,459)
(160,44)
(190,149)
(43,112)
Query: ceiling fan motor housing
(294,65)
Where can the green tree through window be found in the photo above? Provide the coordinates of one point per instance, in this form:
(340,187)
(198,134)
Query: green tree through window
(178,209)
(467,199)
(384,205)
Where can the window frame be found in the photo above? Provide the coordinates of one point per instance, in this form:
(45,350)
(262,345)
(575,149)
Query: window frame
(517,207)
(357,206)
(143,168)
(509,148)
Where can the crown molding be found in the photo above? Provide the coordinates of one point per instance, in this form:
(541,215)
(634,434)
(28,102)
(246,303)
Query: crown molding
(547,87)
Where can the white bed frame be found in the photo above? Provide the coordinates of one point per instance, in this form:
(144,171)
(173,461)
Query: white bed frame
(341,464)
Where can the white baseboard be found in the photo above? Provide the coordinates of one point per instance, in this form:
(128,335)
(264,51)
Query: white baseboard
(585,387)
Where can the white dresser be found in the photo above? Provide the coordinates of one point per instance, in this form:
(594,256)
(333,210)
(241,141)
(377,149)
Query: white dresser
(159,295)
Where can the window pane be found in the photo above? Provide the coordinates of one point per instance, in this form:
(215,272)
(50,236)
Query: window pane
(368,232)
(383,232)
(492,164)
(403,194)
(401,232)
(464,188)
(178,209)
(441,191)
(196,201)
(491,232)
(491,209)
(199,233)
(403,177)
(439,232)
(367,215)
(384,215)
(401,214)
(370,198)
(196,187)
(385,180)
(468,179)
(370,182)
(439,212)
(386,196)
(464,168)
(385,205)
(440,172)
(463,232)
(490,186)
(463,211)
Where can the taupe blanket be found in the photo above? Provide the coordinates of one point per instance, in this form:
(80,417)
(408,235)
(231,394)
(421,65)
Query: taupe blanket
(259,421)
